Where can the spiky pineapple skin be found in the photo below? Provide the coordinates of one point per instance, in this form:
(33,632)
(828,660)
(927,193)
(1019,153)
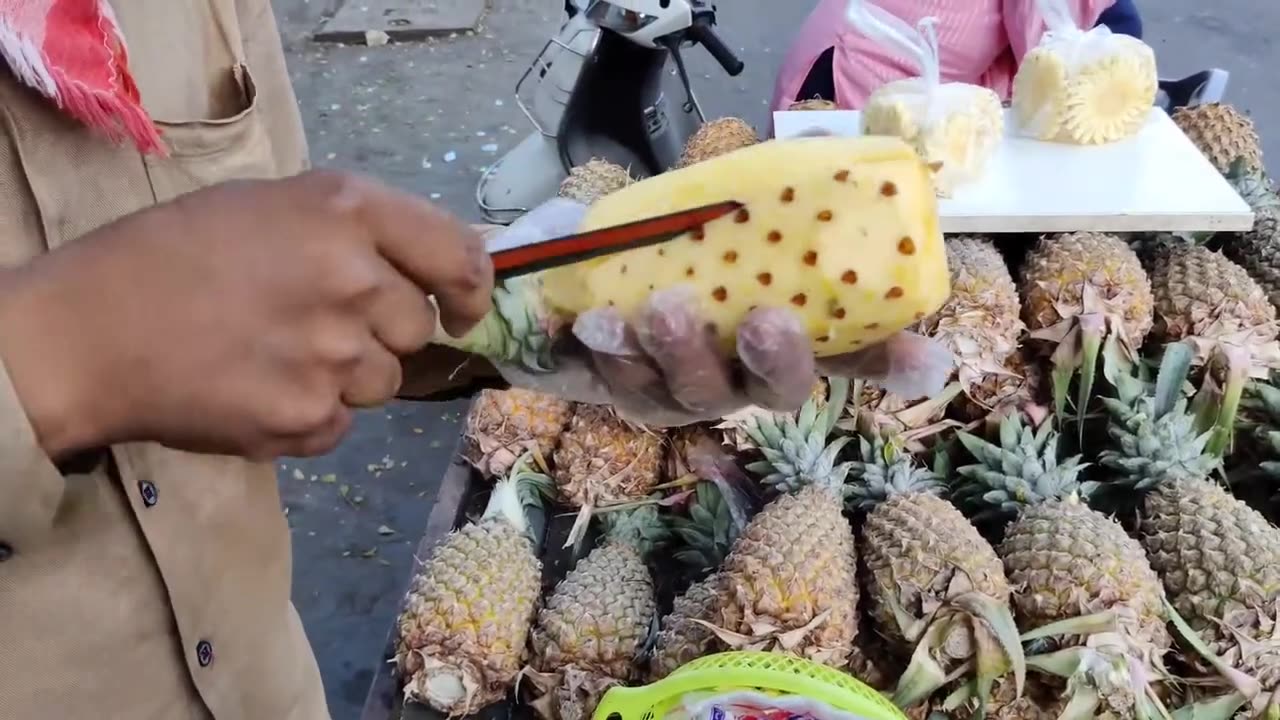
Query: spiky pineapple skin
(471,606)
(915,546)
(981,322)
(1022,383)
(1058,268)
(603,459)
(1200,293)
(1222,134)
(813,104)
(1258,252)
(680,638)
(1067,560)
(598,616)
(795,560)
(1218,558)
(593,180)
(716,138)
(502,425)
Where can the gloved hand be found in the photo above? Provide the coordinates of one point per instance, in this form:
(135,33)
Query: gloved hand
(662,368)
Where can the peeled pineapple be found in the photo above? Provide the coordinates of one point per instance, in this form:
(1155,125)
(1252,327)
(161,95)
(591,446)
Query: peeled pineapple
(956,127)
(1085,88)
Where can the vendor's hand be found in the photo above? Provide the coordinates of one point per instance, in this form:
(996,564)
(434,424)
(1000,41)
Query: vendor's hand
(663,368)
(245,318)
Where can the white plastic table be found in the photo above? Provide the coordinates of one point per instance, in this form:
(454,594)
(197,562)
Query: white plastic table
(1155,181)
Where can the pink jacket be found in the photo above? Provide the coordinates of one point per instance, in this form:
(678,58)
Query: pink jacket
(982,42)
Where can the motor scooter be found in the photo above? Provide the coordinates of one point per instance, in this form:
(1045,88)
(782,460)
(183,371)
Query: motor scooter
(596,90)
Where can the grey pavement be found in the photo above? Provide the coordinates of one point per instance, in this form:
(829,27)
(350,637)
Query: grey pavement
(428,117)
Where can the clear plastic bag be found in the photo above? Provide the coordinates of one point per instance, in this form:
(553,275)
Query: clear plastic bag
(751,705)
(956,127)
(1083,86)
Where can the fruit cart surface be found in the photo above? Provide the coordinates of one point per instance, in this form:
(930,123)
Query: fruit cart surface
(1156,181)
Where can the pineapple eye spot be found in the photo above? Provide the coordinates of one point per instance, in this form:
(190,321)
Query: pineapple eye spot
(849,277)
(788,194)
(841,175)
(822,339)
(775,236)
(688,272)
(799,299)
(936,165)
(811,258)
(919,316)
(871,326)
(731,256)
(825,216)
(894,293)
(907,246)
(697,234)
(838,313)
(623,270)
(662,252)
(741,216)
(888,189)
(720,294)
(765,278)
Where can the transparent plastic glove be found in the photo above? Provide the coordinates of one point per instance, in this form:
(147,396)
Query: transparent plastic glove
(662,367)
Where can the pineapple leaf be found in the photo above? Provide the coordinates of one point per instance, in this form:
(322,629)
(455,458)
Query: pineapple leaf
(1174,366)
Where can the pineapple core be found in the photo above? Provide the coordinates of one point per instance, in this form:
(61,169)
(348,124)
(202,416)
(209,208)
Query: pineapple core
(844,231)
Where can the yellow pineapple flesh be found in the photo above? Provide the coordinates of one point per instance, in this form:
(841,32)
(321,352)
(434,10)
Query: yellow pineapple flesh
(956,127)
(503,425)
(844,231)
(1100,94)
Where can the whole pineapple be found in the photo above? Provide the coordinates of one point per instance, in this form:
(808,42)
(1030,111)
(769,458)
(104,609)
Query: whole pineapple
(715,138)
(814,103)
(462,634)
(1069,565)
(1078,290)
(1222,134)
(936,591)
(789,583)
(593,180)
(705,534)
(603,459)
(980,322)
(1211,303)
(1219,559)
(588,635)
(503,425)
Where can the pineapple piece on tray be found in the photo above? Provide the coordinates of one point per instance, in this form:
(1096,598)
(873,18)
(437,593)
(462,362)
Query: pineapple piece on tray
(956,127)
(1083,87)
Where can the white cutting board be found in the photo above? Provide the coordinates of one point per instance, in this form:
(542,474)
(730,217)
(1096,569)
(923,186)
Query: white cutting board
(1154,181)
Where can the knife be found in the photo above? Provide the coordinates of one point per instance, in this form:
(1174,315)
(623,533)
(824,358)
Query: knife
(569,249)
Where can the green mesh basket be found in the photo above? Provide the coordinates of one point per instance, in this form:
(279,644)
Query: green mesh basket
(770,673)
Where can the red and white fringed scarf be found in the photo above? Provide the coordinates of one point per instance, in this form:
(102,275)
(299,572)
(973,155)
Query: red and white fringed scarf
(72,52)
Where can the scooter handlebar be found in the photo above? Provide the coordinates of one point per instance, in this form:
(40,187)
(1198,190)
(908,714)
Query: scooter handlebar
(701,32)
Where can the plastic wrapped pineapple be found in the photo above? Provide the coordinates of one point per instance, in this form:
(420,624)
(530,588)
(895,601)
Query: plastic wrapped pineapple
(1084,87)
(955,127)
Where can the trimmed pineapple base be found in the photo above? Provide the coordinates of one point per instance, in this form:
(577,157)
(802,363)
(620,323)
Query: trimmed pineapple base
(844,231)
(956,127)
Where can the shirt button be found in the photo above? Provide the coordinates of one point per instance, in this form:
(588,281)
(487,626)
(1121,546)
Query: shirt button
(148,491)
(6,551)
(204,653)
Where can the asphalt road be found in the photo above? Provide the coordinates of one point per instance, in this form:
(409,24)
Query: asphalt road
(429,117)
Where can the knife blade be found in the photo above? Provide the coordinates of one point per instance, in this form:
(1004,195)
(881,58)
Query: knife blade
(569,249)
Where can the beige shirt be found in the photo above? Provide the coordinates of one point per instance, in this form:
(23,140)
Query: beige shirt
(136,581)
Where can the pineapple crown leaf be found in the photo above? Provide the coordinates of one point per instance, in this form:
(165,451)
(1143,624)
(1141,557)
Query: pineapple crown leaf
(513,330)
(1023,470)
(884,471)
(641,527)
(524,487)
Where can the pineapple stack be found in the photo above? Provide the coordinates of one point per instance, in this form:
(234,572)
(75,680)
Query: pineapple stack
(1077,527)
